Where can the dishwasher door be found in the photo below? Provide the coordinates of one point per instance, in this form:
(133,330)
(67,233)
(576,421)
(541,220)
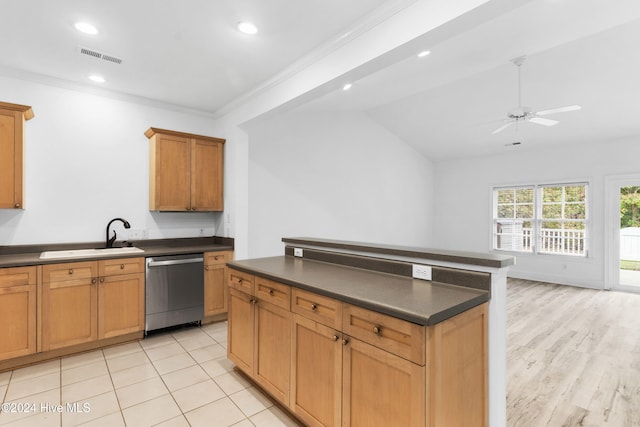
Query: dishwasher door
(174,290)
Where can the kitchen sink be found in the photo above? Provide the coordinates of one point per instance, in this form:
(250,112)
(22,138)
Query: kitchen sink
(83,253)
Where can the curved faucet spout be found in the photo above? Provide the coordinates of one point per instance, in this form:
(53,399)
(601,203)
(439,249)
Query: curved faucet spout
(110,241)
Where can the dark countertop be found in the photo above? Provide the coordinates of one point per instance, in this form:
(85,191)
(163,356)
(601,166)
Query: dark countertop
(418,301)
(15,256)
(471,258)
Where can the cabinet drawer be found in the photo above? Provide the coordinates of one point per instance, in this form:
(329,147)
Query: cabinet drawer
(69,271)
(241,281)
(397,336)
(214,258)
(114,267)
(273,292)
(17,276)
(325,310)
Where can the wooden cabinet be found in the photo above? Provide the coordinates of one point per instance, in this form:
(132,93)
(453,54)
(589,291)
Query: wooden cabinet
(85,301)
(380,388)
(17,311)
(120,297)
(12,119)
(351,366)
(316,372)
(185,171)
(259,333)
(215,282)
(69,304)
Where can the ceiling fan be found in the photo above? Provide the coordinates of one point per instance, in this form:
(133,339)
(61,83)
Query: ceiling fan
(523,113)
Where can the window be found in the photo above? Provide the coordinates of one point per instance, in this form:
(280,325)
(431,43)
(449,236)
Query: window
(549,219)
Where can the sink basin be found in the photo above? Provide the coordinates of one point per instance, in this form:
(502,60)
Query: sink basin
(83,253)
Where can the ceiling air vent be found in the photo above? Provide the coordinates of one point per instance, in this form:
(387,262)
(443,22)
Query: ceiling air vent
(99,55)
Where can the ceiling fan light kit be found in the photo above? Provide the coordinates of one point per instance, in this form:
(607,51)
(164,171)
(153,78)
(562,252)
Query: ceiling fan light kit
(524,113)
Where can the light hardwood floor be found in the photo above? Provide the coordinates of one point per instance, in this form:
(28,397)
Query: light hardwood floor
(573,356)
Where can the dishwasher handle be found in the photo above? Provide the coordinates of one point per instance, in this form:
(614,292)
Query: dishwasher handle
(174,262)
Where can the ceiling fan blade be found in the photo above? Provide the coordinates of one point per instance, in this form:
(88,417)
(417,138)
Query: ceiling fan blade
(543,122)
(559,110)
(501,128)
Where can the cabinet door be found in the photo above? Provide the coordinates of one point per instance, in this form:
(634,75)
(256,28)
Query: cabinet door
(69,313)
(17,312)
(316,373)
(120,305)
(381,389)
(169,173)
(272,349)
(10,159)
(206,175)
(240,330)
(215,289)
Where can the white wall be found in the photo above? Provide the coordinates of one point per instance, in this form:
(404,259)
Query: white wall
(87,161)
(337,176)
(463,202)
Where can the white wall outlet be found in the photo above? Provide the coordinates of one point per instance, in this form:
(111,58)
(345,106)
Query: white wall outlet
(297,252)
(421,272)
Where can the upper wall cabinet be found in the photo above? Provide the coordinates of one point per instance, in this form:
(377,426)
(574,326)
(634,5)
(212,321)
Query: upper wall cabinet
(12,118)
(185,171)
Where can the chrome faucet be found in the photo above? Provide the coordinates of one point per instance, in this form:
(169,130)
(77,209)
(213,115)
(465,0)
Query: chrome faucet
(113,239)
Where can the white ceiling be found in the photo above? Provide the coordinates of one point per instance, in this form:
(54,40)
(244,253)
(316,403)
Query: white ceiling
(446,104)
(186,53)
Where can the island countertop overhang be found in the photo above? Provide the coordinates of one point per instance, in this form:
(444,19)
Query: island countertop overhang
(418,301)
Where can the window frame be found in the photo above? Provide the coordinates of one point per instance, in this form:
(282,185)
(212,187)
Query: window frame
(538,220)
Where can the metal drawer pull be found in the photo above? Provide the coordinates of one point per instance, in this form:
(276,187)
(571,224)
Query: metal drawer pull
(270,291)
(314,307)
(377,330)
(335,338)
(121,266)
(71,271)
(345,341)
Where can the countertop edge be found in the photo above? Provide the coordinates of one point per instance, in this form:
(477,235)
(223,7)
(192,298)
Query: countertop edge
(482,297)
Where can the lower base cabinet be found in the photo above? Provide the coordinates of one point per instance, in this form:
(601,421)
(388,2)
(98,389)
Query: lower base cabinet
(260,341)
(82,302)
(316,373)
(385,372)
(17,312)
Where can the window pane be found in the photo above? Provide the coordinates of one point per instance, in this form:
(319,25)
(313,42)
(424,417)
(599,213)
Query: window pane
(524,195)
(512,235)
(505,211)
(505,196)
(551,194)
(575,193)
(553,211)
(524,211)
(575,211)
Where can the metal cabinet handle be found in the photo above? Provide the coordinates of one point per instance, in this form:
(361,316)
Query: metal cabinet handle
(271,292)
(377,330)
(335,338)
(71,271)
(102,280)
(314,307)
(345,341)
(93,281)
(17,205)
(121,266)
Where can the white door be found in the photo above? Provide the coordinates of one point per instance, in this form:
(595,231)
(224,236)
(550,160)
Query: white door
(622,243)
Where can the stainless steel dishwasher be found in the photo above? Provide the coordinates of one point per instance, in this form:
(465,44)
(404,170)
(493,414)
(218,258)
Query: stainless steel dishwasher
(174,290)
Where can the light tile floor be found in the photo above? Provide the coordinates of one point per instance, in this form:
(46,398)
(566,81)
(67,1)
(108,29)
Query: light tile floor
(175,378)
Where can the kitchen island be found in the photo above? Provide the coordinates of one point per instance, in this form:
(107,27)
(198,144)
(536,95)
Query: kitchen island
(341,333)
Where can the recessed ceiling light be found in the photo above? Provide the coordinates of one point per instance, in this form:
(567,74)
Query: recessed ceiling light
(97,78)
(247,28)
(424,53)
(347,86)
(85,27)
